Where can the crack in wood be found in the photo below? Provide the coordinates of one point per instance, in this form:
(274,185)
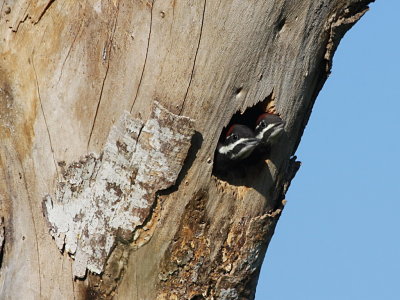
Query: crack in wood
(69,50)
(34,227)
(195,57)
(105,77)
(22,20)
(44,115)
(145,57)
(49,3)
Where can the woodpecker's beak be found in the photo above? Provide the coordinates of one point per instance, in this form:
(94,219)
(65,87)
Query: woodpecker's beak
(252,142)
(273,129)
(277,131)
(244,149)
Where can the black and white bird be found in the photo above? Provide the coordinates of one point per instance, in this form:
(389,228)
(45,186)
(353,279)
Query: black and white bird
(269,128)
(238,144)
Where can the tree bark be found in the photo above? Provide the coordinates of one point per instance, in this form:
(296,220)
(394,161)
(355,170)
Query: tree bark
(110,114)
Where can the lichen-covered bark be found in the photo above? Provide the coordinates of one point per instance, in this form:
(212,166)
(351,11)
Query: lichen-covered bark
(1,240)
(70,70)
(104,198)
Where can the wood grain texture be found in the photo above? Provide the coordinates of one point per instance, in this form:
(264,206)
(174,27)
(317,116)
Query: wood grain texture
(68,71)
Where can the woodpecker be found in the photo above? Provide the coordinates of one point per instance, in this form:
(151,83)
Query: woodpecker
(238,144)
(269,128)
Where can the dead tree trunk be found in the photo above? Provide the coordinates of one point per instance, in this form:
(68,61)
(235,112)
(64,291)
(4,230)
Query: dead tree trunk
(110,113)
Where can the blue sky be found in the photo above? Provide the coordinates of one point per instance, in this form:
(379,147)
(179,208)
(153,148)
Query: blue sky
(339,235)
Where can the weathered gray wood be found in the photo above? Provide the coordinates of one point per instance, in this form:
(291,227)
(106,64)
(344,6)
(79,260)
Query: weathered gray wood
(69,70)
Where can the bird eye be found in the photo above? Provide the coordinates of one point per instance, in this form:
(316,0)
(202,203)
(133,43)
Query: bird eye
(235,137)
(263,124)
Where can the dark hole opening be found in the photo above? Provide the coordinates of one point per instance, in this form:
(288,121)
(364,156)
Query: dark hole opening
(248,117)
(238,90)
(281,24)
(242,172)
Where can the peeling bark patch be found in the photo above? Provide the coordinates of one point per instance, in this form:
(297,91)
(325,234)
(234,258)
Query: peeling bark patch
(103,195)
(2,238)
(196,265)
(242,254)
(185,265)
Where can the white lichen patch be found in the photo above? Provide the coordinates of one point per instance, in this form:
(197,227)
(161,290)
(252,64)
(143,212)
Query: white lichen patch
(1,234)
(106,196)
